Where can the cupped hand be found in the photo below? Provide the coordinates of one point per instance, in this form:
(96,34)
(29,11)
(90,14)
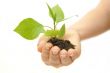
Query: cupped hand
(53,56)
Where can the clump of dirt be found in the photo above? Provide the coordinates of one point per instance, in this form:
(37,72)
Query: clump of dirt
(62,44)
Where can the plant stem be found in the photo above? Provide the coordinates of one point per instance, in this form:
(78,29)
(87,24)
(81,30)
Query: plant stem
(54,26)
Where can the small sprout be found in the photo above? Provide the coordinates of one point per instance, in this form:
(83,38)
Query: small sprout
(31,29)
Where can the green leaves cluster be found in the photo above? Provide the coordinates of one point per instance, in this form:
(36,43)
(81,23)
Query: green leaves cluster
(31,29)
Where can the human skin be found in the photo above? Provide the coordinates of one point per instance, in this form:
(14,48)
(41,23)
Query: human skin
(52,55)
(93,23)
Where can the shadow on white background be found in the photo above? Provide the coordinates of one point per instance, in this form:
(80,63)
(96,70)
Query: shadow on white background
(18,55)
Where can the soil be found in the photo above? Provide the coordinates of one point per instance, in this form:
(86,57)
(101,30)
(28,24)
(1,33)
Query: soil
(62,44)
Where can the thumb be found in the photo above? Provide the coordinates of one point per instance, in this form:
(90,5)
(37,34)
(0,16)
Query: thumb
(41,43)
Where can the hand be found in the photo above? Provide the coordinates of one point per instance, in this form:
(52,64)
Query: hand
(52,55)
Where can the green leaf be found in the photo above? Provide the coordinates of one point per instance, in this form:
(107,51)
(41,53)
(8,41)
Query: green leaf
(29,29)
(52,33)
(62,31)
(51,13)
(58,12)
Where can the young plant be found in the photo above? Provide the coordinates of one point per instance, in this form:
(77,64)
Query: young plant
(31,29)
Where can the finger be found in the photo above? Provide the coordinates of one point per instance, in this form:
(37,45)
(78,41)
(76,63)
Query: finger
(65,59)
(41,45)
(78,50)
(45,52)
(77,45)
(72,53)
(42,41)
(54,58)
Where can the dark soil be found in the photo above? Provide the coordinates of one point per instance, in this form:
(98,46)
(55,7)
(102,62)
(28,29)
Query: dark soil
(62,44)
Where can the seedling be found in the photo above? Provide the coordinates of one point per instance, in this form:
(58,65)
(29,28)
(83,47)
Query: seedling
(31,29)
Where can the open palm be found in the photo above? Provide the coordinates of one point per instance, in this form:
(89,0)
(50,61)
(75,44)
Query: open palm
(53,56)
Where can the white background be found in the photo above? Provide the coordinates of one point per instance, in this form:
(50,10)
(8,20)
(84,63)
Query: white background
(18,55)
